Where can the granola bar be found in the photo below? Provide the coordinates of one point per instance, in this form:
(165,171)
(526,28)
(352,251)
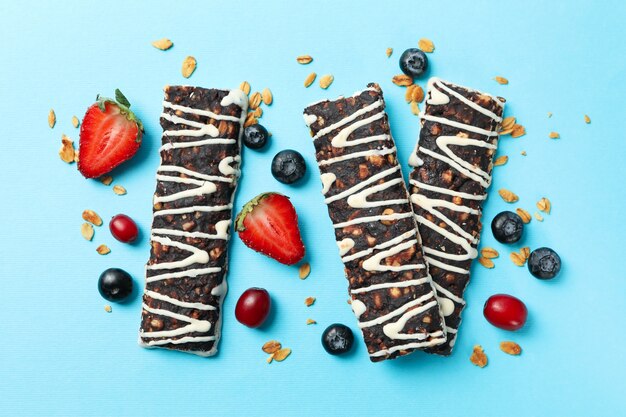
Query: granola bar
(196,182)
(391,292)
(452,172)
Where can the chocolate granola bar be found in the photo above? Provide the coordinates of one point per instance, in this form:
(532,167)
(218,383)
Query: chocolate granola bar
(196,182)
(452,171)
(391,292)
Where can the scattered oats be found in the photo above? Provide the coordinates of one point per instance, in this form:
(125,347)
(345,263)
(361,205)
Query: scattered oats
(523,153)
(508,122)
(87,231)
(326,81)
(501,160)
(250,120)
(108,308)
(587,119)
(349,301)
(517,258)
(267,96)
(255,100)
(538,216)
(76,157)
(549,114)
(517,131)
(544,205)
(489,253)
(309,301)
(501,80)
(415,109)
(245,87)
(310,321)
(304,270)
(526,218)
(554,135)
(163,44)
(270,358)
(67,152)
(92,217)
(402,80)
(525,252)
(106,180)
(487,263)
(304,59)
(119,190)
(511,348)
(309,79)
(52,118)
(75,121)
(417,94)
(272,346)
(281,354)
(426,45)
(408,95)
(189,66)
(508,196)
(389,52)
(478,356)
(258,112)
(103,249)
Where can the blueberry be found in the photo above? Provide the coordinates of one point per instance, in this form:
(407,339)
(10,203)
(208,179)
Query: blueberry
(115,284)
(288,166)
(544,263)
(507,227)
(255,136)
(413,62)
(337,339)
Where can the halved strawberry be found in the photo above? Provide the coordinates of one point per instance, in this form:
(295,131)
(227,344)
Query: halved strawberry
(109,134)
(269,224)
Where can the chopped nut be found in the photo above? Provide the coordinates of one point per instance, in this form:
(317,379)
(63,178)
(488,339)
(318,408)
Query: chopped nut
(587,119)
(309,79)
(389,52)
(554,135)
(267,96)
(92,217)
(245,87)
(326,81)
(304,270)
(255,100)
(489,253)
(523,153)
(517,131)
(119,190)
(538,216)
(426,45)
(544,205)
(415,109)
(501,160)
(309,301)
(103,249)
(163,44)
(478,356)
(270,358)
(108,308)
(511,348)
(52,118)
(87,231)
(75,121)
(304,59)
(526,218)
(402,80)
(501,80)
(272,346)
(518,259)
(508,122)
(508,196)
(487,263)
(387,212)
(189,66)
(310,321)
(525,252)
(67,152)
(282,354)
(549,114)
(106,180)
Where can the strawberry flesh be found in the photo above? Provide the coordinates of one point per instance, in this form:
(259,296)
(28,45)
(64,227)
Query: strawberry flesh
(107,138)
(269,224)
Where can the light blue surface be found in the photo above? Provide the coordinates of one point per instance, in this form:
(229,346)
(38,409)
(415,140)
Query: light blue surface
(61,354)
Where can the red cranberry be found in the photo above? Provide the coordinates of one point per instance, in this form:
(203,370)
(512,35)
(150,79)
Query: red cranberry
(253,307)
(123,228)
(505,311)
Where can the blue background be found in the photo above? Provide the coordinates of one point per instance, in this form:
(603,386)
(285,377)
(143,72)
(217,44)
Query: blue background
(61,354)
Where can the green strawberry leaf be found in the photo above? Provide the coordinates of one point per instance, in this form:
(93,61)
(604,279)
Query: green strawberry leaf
(121,98)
